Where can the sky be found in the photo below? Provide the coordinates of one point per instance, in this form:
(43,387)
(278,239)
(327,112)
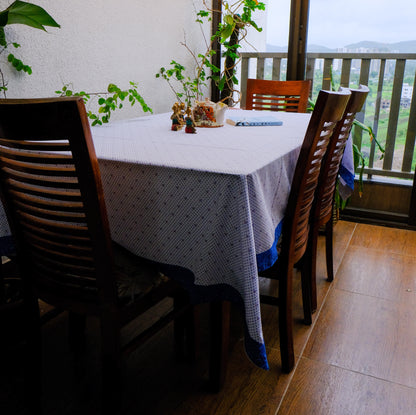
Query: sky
(337,23)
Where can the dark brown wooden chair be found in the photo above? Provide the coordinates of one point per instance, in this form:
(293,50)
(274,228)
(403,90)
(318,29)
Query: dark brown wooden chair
(51,189)
(322,212)
(291,96)
(328,111)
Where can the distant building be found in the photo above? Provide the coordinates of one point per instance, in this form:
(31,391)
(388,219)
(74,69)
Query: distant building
(375,63)
(406,97)
(405,103)
(385,104)
(407,91)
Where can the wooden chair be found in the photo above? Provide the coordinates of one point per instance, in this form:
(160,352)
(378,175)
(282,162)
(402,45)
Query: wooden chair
(322,212)
(328,111)
(291,96)
(51,189)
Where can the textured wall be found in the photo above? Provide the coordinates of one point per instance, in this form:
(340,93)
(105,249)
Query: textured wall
(105,41)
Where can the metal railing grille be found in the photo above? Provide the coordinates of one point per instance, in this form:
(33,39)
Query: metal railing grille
(380,71)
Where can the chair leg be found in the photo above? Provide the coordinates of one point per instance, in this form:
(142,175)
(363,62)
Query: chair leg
(76,328)
(33,357)
(329,249)
(186,327)
(111,365)
(193,332)
(220,330)
(2,285)
(306,288)
(285,322)
(311,256)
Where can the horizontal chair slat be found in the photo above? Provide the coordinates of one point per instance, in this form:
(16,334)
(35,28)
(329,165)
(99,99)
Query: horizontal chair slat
(40,169)
(70,228)
(46,192)
(70,239)
(57,215)
(32,156)
(71,260)
(36,145)
(60,205)
(63,266)
(59,246)
(64,181)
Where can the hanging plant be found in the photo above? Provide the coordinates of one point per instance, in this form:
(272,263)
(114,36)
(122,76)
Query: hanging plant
(20,12)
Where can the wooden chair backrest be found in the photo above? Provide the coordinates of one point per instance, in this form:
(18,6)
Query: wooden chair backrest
(290,96)
(329,109)
(51,189)
(333,157)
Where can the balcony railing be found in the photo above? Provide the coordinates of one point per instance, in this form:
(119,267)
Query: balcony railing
(390,108)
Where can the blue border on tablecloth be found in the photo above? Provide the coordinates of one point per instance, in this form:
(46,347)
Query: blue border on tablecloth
(200,294)
(267,258)
(347,176)
(256,351)
(7,245)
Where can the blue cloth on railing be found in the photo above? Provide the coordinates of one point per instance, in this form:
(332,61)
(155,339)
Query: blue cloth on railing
(346,171)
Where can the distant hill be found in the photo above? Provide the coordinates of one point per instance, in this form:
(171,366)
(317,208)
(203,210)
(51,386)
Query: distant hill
(408,46)
(319,49)
(274,48)
(311,48)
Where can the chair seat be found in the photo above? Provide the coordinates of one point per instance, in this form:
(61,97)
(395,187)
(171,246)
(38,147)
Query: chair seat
(135,276)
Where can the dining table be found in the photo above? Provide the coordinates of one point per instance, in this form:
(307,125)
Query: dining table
(207,207)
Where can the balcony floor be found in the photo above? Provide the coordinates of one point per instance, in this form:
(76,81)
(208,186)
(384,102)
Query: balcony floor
(358,357)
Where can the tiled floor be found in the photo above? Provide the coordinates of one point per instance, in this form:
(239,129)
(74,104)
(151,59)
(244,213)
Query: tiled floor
(357,358)
(361,355)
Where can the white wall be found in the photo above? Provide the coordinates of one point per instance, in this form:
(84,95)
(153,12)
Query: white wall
(105,41)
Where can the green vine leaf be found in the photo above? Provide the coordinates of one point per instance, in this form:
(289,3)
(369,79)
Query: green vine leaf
(108,101)
(18,64)
(20,12)
(4,15)
(3,41)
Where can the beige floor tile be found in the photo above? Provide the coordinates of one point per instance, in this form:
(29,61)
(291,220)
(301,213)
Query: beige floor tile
(321,389)
(391,276)
(399,241)
(366,334)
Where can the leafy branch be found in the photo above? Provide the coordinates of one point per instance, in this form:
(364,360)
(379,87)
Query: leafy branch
(237,19)
(359,158)
(109,101)
(20,12)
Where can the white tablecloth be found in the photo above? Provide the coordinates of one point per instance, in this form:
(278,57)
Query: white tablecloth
(211,203)
(207,205)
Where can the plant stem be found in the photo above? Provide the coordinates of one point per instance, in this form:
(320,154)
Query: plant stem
(3,83)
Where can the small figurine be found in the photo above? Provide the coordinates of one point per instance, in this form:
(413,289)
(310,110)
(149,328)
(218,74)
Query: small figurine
(181,110)
(190,125)
(176,118)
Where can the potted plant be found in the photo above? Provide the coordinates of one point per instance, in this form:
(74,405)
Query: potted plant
(189,84)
